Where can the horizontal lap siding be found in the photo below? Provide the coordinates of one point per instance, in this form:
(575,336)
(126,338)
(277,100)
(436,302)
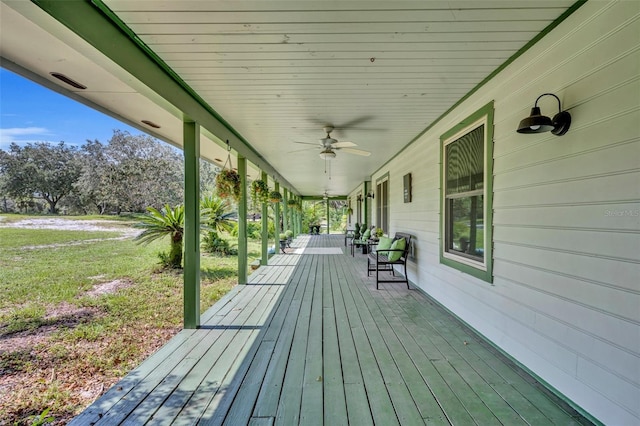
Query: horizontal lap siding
(565,301)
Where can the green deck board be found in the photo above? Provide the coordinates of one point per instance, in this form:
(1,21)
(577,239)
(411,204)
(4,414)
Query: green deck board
(171,406)
(309,340)
(288,411)
(218,408)
(381,406)
(424,399)
(334,398)
(357,404)
(358,409)
(206,397)
(424,354)
(183,380)
(411,397)
(282,330)
(151,382)
(261,421)
(542,409)
(312,404)
(240,411)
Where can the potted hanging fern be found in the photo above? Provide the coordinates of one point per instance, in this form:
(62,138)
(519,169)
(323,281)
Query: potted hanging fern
(259,191)
(275,196)
(228,184)
(292,203)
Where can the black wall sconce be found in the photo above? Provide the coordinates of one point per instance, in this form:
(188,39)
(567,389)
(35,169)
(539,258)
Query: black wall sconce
(371,195)
(538,123)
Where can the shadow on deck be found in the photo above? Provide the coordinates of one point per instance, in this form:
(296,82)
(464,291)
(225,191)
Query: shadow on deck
(310,341)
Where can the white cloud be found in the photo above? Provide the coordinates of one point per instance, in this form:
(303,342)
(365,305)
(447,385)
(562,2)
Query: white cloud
(21,134)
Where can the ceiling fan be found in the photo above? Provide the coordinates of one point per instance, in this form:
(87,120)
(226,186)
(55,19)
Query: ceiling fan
(329,145)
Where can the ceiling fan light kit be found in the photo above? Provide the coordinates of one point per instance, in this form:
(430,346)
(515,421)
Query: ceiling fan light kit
(327,154)
(330,145)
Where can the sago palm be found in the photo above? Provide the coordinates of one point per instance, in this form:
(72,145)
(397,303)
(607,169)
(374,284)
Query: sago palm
(157,224)
(216,213)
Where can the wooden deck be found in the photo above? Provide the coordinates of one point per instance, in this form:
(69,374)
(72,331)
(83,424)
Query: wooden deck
(310,341)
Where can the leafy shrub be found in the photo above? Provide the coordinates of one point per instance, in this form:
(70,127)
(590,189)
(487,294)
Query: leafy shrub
(215,244)
(254,230)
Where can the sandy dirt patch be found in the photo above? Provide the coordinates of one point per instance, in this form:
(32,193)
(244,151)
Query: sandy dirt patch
(60,224)
(71,225)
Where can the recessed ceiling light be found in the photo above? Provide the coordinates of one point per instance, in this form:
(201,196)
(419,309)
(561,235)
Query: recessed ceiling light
(151,124)
(67,80)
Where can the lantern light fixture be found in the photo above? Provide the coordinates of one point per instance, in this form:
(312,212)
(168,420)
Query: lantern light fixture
(538,123)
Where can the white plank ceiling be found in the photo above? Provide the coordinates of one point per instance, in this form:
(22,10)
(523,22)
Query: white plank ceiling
(380,72)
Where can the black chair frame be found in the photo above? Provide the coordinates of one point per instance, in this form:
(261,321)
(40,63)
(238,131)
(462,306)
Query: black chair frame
(378,261)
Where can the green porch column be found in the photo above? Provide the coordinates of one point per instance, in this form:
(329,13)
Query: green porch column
(292,224)
(299,215)
(191,140)
(276,213)
(294,218)
(242,221)
(328,221)
(265,228)
(285,209)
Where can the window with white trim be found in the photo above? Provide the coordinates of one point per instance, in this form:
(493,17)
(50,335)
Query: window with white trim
(466,195)
(382,203)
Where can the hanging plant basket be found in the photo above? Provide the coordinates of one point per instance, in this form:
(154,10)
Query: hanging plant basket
(295,205)
(275,196)
(228,184)
(259,191)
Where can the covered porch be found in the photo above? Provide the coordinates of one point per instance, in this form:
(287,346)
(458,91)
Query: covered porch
(310,341)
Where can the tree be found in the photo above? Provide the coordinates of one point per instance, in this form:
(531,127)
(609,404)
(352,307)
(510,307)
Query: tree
(92,186)
(158,224)
(39,170)
(130,173)
(208,172)
(143,172)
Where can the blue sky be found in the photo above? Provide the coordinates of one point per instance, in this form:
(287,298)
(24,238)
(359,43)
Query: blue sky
(32,113)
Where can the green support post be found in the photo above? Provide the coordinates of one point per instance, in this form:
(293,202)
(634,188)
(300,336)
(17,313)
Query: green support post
(294,218)
(299,217)
(265,229)
(292,223)
(242,221)
(191,136)
(328,220)
(285,209)
(276,213)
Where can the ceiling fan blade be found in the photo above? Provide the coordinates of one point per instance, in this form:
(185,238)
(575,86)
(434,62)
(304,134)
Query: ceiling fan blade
(356,151)
(308,143)
(343,144)
(301,150)
(355,122)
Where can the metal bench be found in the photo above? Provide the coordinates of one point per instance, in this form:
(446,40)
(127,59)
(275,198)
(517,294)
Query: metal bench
(361,242)
(378,260)
(348,235)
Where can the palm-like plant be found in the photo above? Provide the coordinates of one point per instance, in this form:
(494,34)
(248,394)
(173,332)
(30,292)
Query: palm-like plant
(216,213)
(157,224)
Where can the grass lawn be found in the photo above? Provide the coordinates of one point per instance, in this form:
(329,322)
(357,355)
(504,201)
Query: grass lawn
(79,309)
